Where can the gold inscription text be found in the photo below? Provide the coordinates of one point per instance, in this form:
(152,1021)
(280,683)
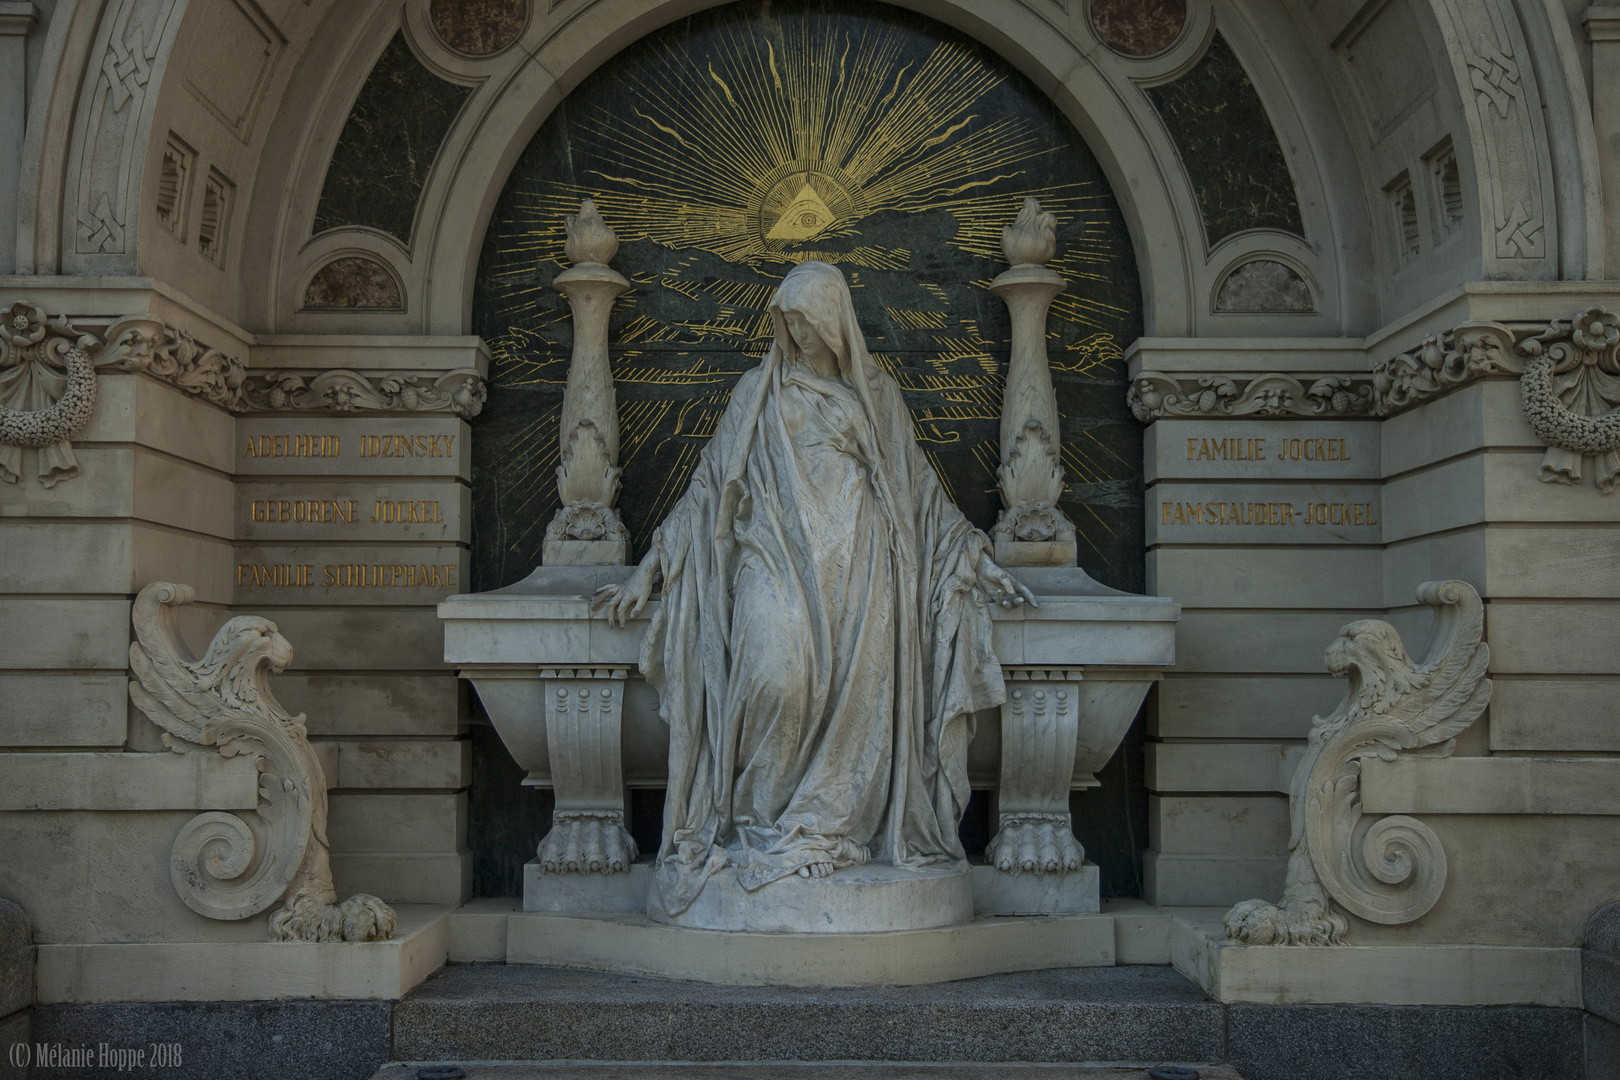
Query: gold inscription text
(1266,513)
(291,446)
(313,511)
(396,446)
(423,512)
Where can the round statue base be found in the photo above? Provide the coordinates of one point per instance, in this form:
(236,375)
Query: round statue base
(869,899)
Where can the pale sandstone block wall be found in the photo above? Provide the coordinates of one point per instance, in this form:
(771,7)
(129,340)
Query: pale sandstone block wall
(92,799)
(1266,532)
(350,530)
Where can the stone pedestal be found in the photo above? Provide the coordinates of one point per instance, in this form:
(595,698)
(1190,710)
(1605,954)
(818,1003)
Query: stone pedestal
(625,891)
(996,892)
(870,899)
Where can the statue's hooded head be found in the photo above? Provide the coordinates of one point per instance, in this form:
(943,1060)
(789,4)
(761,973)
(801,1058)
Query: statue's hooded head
(818,292)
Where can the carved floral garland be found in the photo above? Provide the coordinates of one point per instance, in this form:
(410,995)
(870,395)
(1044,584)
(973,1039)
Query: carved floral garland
(48,379)
(1571,396)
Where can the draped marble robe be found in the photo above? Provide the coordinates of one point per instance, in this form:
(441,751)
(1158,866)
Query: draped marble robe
(822,643)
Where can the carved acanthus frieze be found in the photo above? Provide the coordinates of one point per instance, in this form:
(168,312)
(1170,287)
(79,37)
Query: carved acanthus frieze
(1154,395)
(1393,869)
(230,866)
(462,392)
(1443,362)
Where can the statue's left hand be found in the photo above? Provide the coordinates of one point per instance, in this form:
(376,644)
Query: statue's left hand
(621,603)
(1009,591)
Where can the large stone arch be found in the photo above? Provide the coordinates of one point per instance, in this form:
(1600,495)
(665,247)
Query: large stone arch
(323,52)
(1094,90)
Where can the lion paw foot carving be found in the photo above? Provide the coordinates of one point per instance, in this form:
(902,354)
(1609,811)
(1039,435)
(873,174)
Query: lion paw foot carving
(587,844)
(1035,846)
(362,917)
(1255,922)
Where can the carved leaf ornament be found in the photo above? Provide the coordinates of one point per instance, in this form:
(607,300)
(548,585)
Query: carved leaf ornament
(1388,870)
(229,866)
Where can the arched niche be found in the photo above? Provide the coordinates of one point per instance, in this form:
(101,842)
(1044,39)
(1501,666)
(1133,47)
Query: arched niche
(1100,93)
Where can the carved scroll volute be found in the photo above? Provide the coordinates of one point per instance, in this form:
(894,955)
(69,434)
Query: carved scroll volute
(1031,531)
(1388,870)
(588,478)
(229,866)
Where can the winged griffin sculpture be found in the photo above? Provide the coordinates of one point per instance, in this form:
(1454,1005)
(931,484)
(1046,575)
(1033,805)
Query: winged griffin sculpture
(227,866)
(1389,870)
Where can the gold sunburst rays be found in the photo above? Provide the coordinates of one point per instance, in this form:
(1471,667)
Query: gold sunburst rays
(722,157)
(803,124)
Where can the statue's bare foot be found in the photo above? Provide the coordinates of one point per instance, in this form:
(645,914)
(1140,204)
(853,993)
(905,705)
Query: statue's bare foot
(815,869)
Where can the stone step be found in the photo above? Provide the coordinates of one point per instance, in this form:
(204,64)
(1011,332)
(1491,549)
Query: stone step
(799,1070)
(1139,1016)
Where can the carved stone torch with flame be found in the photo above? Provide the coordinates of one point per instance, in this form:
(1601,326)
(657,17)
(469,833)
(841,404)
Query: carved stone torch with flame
(1031,531)
(586,530)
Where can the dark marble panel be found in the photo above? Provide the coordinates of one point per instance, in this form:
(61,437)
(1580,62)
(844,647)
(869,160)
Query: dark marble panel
(1231,152)
(478,27)
(353,282)
(1111,821)
(1264,285)
(909,147)
(388,145)
(1138,27)
(505,820)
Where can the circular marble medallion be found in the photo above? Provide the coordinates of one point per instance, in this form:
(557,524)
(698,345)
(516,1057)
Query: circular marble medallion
(478,27)
(1138,27)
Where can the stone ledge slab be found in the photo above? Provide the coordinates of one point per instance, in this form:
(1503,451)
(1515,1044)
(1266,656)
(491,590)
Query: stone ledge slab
(635,945)
(1361,974)
(213,971)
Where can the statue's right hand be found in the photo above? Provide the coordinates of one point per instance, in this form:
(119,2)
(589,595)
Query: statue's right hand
(621,603)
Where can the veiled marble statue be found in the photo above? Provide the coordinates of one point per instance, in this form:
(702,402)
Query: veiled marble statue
(824,636)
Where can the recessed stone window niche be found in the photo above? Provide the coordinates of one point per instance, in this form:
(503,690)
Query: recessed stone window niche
(174,185)
(1403,203)
(218,195)
(1446,193)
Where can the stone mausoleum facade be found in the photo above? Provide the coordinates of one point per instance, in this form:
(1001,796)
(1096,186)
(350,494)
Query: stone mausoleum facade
(354,353)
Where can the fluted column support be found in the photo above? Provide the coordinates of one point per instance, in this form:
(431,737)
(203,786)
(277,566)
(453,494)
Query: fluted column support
(586,530)
(1031,531)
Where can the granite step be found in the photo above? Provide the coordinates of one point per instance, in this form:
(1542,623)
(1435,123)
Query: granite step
(1136,1016)
(826,1070)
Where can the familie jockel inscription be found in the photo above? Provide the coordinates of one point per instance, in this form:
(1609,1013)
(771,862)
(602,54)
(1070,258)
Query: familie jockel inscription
(1276,482)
